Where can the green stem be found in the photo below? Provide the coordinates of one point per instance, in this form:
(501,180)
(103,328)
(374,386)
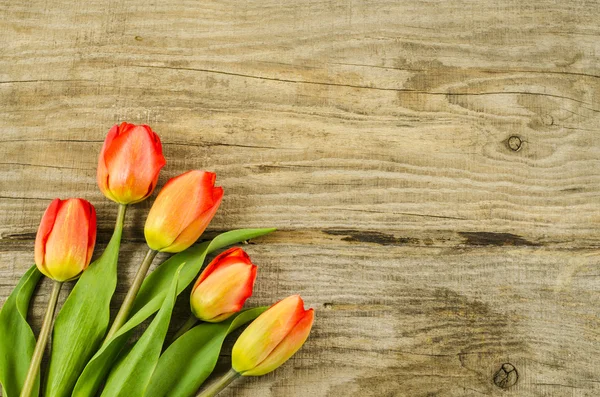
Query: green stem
(217,386)
(190,322)
(40,346)
(123,313)
(120,220)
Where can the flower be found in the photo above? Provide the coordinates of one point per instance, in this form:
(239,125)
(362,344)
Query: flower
(65,239)
(183,209)
(224,286)
(272,338)
(129,163)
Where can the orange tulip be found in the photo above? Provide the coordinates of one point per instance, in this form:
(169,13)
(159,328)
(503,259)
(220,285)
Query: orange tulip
(65,239)
(224,286)
(182,211)
(272,338)
(129,163)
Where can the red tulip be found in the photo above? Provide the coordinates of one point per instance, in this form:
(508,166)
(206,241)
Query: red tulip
(65,239)
(224,286)
(272,338)
(129,163)
(182,211)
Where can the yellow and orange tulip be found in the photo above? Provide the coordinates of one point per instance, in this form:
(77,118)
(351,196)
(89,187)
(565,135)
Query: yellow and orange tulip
(224,286)
(272,338)
(65,239)
(182,211)
(129,163)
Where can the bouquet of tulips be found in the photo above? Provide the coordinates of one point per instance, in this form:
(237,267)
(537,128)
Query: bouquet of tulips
(88,357)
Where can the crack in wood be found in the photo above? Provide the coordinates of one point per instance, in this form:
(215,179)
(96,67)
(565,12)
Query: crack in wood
(495,239)
(362,236)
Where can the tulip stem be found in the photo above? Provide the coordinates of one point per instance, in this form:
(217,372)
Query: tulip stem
(217,386)
(189,323)
(40,346)
(120,218)
(127,304)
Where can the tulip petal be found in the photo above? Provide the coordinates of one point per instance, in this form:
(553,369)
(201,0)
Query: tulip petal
(231,252)
(43,232)
(158,161)
(202,199)
(287,348)
(194,230)
(91,217)
(159,164)
(102,173)
(175,204)
(266,332)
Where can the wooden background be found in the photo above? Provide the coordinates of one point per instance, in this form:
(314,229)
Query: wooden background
(433,168)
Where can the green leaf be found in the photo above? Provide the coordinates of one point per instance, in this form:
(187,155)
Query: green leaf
(130,377)
(17,340)
(186,364)
(82,322)
(150,298)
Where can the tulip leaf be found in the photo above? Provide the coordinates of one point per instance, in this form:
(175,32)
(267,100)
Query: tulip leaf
(150,298)
(83,319)
(17,340)
(130,377)
(186,364)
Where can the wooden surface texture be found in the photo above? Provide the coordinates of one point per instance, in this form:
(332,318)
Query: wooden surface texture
(433,168)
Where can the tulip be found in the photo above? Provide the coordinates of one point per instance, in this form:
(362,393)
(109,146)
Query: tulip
(272,338)
(183,209)
(129,163)
(63,249)
(267,343)
(224,286)
(65,239)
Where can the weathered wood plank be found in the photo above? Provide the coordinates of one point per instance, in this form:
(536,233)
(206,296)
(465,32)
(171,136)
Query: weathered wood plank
(407,320)
(342,181)
(434,168)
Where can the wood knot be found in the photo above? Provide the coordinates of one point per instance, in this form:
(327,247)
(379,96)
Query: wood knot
(514,143)
(506,376)
(548,120)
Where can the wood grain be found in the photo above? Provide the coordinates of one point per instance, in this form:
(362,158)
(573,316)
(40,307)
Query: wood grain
(433,168)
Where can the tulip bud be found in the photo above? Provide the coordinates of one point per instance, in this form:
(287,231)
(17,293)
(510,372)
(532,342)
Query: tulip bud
(182,210)
(129,163)
(65,239)
(272,338)
(224,286)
